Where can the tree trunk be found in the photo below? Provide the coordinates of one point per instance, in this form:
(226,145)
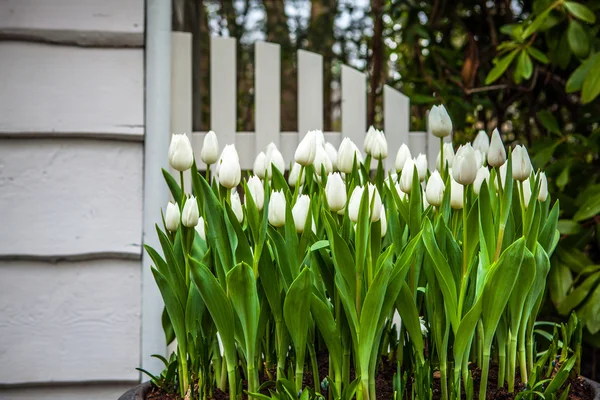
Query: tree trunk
(377,59)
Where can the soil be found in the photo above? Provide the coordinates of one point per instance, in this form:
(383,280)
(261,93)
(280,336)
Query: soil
(580,390)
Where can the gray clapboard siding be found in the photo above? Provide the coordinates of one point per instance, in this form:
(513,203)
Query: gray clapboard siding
(70,197)
(106,391)
(70,321)
(63,90)
(86,23)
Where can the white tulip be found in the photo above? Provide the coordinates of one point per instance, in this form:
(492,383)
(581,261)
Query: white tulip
(355,199)
(481,142)
(375,199)
(260,165)
(425,202)
(256,191)
(307,149)
(335,191)
(300,212)
(295,174)
(230,172)
(236,206)
(332,153)
(190,213)
(277,206)
(379,148)
(401,194)
(543,194)
(369,139)
(383,220)
(406,177)
(210,149)
(181,155)
(434,192)
(401,157)
(274,158)
(456,195)
(502,172)
(201,229)
(319,137)
(483,174)
(479,158)
(496,155)
(322,160)
(440,123)
(448,156)
(464,168)
(526,192)
(172,217)
(421,163)
(521,164)
(346,155)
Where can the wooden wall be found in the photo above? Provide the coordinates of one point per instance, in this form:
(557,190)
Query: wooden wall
(71,174)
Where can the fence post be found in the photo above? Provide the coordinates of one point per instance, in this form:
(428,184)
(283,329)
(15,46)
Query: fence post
(310,92)
(223,96)
(396,121)
(354,105)
(267,92)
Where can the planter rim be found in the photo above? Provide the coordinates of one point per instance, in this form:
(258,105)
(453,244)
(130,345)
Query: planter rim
(140,391)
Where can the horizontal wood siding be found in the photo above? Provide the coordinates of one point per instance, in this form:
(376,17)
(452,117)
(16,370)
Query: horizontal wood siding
(64,90)
(69,321)
(86,23)
(105,391)
(70,197)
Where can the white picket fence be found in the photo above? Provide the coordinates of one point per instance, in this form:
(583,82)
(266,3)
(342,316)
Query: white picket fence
(267,89)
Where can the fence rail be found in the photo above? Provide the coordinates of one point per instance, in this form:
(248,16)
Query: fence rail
(267,85)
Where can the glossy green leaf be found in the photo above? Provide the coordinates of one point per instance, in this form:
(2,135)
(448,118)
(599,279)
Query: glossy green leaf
(241,288)
(579,41)
(500,67)
(580,11)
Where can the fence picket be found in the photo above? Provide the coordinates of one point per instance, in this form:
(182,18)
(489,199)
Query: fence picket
(223,116)
(267,100)
(354,105)
(396,121)
(310,92)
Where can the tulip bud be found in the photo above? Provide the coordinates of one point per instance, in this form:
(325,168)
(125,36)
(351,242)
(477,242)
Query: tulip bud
(256,191)
(379,148)
(236,206)
(421,163)
(483,174)
(502,173)
(274,157)
(464,168)
(456,195)
(448,156)
(332,153)
(434,192)
(300,212)
(230,172)
(319,138)
(375,199)
(277,207)
(172,217)
(260,165)
(335,191)
(496,155)
(190,214)
(481,142)
(181,155)
(402,156)
(401,194)
(406,177)
(526,192)
(210,149)
(346,155)
(440,123)
(295,174)
(383,220)
(355,199)
(200,228)
(543,194)
(425,202)
(521,164)
(307,149)
(322,161)
(369,139)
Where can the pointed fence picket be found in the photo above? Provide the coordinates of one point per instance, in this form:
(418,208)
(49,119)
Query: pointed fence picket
(396,106)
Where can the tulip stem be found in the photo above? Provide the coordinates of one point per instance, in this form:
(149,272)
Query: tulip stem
(208,174)
(182,189)
(442,162)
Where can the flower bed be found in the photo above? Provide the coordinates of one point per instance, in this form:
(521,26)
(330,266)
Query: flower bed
(318,270)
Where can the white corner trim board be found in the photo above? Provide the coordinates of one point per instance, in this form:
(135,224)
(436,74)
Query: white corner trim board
(70,321)
(70,197)
(96,391)
(71,90)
